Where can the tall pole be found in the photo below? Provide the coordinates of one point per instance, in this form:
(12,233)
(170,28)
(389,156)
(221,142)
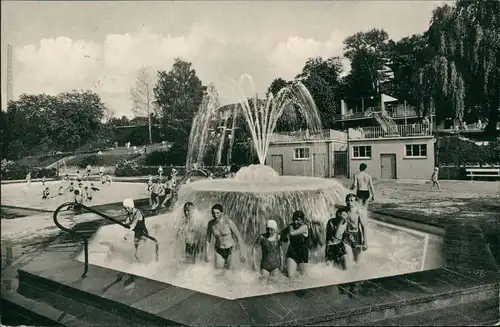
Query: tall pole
(10,91)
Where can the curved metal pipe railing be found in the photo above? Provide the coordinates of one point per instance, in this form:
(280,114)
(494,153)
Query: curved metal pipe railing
(85,239)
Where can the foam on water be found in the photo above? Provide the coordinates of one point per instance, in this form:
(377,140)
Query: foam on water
(393,250)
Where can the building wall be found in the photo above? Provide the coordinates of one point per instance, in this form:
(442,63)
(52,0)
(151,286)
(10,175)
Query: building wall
(304,167)
(406,167)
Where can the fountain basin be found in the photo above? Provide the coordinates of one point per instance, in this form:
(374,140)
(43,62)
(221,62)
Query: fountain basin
(394,250)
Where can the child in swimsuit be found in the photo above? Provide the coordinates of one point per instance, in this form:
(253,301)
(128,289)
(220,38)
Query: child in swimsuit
(298,250)
(192,232)
(270,244)
(356,227)
(223,229)
(45,193)
(93,188)
(137,225)
(335,251)
(88,193)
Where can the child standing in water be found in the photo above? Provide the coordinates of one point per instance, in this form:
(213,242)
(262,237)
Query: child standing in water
(137,225)
(223,229)
(335,251)
(434,179)
(298,249)
(270,244)
(356,227)
(192,231)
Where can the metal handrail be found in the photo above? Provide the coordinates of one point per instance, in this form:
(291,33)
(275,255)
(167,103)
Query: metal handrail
(85,239)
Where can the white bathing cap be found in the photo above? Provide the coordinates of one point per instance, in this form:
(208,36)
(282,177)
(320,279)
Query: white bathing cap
(128,203)
(272,224)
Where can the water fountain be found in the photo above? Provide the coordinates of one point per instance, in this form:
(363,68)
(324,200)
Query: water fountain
(257,193)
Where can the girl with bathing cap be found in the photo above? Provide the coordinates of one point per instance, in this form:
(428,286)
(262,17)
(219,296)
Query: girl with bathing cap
(298,250)
(136,224)
(270,245)
(223,229)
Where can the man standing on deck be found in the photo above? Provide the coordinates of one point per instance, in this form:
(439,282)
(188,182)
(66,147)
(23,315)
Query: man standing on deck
(363,183)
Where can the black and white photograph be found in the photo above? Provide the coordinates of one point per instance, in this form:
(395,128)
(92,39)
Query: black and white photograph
(250,163)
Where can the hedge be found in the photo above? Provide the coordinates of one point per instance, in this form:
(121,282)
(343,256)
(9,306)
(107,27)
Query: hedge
(456,151)
(15,171)
(100,159)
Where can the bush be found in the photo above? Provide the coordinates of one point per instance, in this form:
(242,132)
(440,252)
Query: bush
(157,158)
(95,160)
(452,173)
(12,171)
(455,151)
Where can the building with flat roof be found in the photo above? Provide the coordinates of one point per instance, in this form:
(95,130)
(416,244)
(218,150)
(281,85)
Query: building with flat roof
(398,152)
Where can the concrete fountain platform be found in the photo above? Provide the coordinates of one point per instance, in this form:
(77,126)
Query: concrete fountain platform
(47,286)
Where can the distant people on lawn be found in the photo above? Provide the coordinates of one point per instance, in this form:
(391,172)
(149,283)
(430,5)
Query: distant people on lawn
(89,169)
(434,179)
(28,179)
(46,193)
(101,174)
(108,179)
(363,184)
(160,171)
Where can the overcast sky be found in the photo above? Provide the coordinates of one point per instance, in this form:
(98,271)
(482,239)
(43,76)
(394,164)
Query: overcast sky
(59,46)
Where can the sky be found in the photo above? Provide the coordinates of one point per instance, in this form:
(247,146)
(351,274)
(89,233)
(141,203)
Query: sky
(61,46)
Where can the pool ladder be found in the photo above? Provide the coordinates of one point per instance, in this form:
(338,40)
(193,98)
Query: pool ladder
(84,238)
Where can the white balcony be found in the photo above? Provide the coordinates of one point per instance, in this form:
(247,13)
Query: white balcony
(305,135)
(379,132)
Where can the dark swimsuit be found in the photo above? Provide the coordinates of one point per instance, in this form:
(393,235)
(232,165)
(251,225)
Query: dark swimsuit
(354,237)
(334,252)
(191,250)
(364,195)
(140,229)
(224,253)
(270,254)
(298,249)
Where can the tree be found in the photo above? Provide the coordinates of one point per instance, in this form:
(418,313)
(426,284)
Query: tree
(462,77)
(178,94)
(370,74)
(406,58)
(142,96)
(276,85)
(322,79)
(42,122)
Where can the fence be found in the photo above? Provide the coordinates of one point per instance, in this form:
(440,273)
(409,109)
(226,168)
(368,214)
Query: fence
(305,135)
(379,132)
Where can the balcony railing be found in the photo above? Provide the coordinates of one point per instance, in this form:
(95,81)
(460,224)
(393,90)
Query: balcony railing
(398,111)
(399,131)
(304,135)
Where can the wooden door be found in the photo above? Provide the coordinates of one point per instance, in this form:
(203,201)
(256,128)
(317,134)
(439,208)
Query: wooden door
(388,166)
(277,163)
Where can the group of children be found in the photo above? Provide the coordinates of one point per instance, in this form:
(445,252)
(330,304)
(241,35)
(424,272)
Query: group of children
(161,192)
(348,228)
